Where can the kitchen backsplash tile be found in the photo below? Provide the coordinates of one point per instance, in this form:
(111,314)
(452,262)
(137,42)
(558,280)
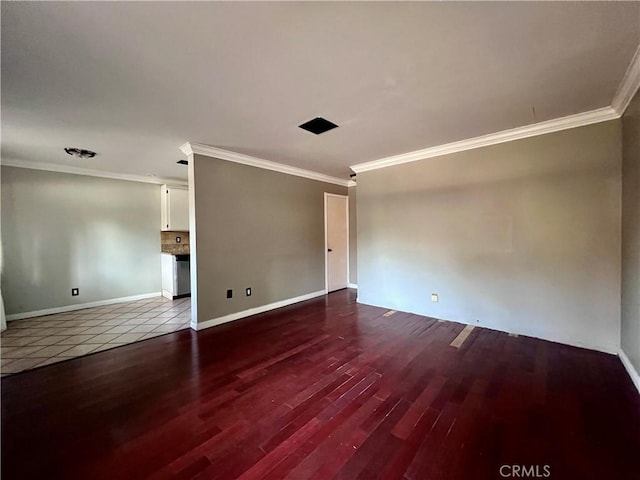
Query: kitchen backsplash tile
(169,242)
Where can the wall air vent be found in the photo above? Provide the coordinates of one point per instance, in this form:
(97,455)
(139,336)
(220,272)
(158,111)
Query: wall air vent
(182,162)
(318,125)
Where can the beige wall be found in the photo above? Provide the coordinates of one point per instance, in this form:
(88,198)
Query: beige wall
(522,236)
(61,231)
(255,228)
(353,236)
(630,325)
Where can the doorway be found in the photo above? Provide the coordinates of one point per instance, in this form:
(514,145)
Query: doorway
(336,241)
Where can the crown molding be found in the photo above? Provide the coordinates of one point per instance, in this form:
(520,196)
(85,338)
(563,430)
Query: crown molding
(550,126)
(629,85)
(186,148)
(209,151)
(52,167)
(626,90)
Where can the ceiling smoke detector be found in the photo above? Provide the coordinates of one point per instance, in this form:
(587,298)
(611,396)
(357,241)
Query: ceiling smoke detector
(80,152)
(318,125)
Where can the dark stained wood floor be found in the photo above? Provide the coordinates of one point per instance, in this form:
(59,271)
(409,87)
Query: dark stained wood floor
(324,389)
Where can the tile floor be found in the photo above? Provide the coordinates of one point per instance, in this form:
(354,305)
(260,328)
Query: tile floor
(38,341)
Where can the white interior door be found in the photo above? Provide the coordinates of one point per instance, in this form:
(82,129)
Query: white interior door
(336,209)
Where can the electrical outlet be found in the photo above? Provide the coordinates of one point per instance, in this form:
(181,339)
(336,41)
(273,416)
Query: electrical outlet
(434,297)
(178,239)
(229,293)
(248,291)
(75,292)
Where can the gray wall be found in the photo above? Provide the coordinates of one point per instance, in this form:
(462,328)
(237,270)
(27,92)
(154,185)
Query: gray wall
(630,325)
(522,236)
(353,236)
(61,231)
(255,228)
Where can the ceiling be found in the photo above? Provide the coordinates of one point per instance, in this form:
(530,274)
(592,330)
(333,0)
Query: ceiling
(134,81)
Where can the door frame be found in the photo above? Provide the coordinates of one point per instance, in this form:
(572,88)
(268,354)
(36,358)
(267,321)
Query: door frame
(326,262)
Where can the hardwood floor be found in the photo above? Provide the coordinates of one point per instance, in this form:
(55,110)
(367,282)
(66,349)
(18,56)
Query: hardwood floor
(324,389)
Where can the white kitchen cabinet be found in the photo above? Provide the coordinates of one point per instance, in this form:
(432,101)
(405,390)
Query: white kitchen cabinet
(174,208)
(176,281)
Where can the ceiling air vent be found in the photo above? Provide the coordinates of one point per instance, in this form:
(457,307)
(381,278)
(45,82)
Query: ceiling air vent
(80,152)
(318,125)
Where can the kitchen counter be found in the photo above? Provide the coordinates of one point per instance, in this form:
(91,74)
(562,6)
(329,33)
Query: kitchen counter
(175,249)
(179,256)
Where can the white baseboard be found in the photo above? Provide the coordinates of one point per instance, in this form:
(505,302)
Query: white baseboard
(167,294)
(635,378)
(80,306)
(255,310)
(353,285)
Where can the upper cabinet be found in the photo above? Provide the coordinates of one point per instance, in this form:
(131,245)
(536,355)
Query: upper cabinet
(175,208)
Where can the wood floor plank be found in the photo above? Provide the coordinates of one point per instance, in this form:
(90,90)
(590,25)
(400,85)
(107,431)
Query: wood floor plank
(462,336)
(327,388)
